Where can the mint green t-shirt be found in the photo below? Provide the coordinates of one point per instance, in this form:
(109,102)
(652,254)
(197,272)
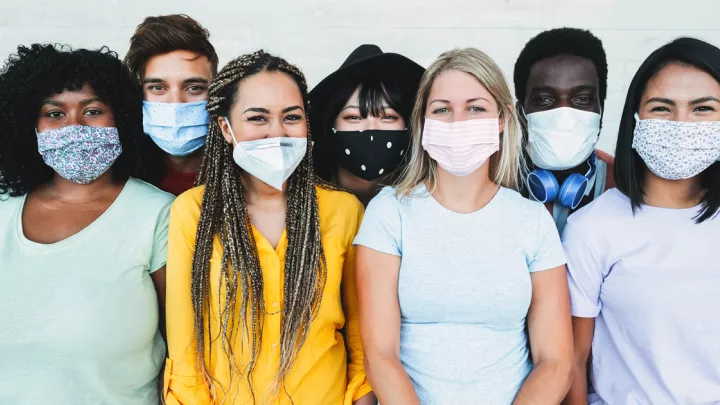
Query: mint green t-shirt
(79,318)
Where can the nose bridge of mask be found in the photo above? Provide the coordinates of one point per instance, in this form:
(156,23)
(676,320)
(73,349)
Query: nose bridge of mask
(175,115)
(85,136)
(461,133)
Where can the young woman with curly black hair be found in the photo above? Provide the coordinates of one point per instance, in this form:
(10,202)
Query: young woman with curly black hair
(83,236)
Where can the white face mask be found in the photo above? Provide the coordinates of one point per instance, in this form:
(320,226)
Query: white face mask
(676,150)
(562,138)
(271,160)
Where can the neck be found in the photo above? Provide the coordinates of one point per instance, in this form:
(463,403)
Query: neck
(189,164)
(65,190)
(258,192)
(465,194)
(364,190)
(676,194)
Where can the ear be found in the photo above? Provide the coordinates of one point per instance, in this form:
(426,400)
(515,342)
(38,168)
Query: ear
(225,128)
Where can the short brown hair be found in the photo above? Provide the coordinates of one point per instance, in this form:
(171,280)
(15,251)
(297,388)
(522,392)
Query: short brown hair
(168,33)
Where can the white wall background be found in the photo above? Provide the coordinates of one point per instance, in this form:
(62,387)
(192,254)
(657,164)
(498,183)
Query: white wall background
(318,35)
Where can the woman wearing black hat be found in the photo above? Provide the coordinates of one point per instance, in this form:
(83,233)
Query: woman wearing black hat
(361,111)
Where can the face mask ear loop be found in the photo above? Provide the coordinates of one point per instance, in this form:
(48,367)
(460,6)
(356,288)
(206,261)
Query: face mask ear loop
(232,134)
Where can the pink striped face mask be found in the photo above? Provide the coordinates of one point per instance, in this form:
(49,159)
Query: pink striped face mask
(461,147)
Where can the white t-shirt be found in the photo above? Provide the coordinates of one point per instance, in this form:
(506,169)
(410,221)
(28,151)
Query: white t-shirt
(79,318)
(464,290)
(652,281)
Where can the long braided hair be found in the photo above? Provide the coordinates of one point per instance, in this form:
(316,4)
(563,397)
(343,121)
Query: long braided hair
(224,214)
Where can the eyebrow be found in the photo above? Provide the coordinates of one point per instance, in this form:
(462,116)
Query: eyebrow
(470,100)
(551,89)
(660,100)
(186,81)
(704,100)
(257,109)
(292,108)
(82,102)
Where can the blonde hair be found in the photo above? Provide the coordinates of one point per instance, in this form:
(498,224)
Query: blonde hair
(507,167)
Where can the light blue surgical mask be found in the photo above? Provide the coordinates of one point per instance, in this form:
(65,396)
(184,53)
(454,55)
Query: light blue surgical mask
(177,128)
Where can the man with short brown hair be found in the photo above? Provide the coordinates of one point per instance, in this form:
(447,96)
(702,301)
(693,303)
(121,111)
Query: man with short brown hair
(175,62)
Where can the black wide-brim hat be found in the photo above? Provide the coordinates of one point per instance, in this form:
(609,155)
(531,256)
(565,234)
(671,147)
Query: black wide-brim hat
(368,61)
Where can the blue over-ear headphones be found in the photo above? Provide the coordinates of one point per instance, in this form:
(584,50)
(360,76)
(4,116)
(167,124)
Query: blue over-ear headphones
(543,186)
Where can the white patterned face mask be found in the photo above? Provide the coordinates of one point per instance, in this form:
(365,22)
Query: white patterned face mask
(676,150)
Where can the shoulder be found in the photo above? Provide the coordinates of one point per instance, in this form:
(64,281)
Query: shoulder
(520,207)
(8,206)
(604,156)
(337,202)
(150,195)
(187,205)
(338,210)
(603,211)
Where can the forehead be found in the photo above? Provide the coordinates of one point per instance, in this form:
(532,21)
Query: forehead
(268,88)
(456,85)
(563,72)
(178,64)
(85,92)
(682,82)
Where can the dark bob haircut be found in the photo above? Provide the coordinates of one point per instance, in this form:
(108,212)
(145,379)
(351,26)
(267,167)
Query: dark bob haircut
(629,167)
(35,73)
(372,96)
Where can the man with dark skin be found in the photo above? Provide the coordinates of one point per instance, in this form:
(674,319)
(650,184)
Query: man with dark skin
(561,85)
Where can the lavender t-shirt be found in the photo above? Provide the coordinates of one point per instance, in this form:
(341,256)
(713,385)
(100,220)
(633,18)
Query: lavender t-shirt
(652,281)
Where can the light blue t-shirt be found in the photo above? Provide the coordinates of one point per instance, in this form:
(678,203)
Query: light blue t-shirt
(464,290)
(79,318)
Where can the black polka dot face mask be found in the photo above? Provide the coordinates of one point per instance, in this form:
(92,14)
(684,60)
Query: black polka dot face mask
(370,154)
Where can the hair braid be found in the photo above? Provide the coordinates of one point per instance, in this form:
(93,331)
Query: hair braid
(224,214)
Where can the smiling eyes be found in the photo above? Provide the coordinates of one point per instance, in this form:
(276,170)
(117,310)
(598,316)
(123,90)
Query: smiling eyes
(263,118)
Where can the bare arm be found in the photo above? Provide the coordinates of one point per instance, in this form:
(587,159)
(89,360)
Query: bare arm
(550,333)
(158,278)
(583,330)
(377,289)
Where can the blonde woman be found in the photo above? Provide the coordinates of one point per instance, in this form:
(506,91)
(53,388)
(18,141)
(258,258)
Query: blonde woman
(453,263)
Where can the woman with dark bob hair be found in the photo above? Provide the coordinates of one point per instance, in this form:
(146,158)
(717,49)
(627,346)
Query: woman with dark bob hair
(83,236)
(642,265)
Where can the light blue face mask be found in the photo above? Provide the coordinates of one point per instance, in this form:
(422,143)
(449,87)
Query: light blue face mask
(177,128)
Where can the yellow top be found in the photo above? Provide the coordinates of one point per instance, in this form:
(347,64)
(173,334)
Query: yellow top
(322,374)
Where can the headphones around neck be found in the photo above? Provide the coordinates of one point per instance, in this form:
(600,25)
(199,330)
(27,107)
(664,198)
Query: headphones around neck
(544,188)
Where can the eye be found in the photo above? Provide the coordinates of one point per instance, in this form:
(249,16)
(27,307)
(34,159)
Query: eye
(155,87)
(441,110)
(704,108)
(542,100)
(294,117)
(660,109)
(476,109)
(93,111)
(389,117)
(352,118)
(196,89)
(54,114)
(257,118)
(584,100)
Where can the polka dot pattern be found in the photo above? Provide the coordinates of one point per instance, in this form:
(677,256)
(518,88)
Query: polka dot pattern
(367,157)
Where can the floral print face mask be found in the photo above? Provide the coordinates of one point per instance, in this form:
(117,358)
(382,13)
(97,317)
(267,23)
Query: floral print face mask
(676,150)
(80,153)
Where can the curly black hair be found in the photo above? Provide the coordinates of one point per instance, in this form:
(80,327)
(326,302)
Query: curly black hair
(560,41)
(41,70)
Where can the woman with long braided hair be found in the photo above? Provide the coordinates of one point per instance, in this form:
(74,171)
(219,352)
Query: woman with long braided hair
(260,261)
